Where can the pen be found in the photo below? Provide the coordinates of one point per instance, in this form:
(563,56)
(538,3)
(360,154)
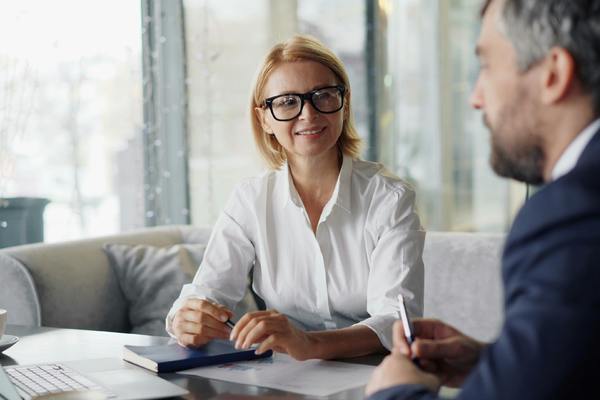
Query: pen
(407,325)
(230,323)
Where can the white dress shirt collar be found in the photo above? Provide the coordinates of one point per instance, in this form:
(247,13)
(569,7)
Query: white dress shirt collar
(341,193)
(570,156)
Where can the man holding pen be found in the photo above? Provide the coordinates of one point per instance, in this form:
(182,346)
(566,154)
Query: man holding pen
(539,91)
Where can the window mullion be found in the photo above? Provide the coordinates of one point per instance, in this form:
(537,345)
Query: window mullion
(166,190)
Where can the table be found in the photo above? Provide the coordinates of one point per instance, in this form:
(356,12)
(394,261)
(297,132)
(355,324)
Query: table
(41,344)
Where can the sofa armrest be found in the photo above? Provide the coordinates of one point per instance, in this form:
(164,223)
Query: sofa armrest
(17,293)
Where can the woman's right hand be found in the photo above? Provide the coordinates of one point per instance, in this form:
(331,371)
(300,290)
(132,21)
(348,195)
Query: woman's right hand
(199,321)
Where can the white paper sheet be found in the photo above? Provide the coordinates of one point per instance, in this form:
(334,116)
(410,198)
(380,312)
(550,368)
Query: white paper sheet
(312,377)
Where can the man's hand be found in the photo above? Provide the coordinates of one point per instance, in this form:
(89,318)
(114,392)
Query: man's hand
(199,321)
(273,331)
(441,350)
(398,368)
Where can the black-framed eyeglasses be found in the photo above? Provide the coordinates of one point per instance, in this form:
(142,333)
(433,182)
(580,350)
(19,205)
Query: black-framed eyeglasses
(326,100)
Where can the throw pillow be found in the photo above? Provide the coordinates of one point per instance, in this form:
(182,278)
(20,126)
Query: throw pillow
(151,279)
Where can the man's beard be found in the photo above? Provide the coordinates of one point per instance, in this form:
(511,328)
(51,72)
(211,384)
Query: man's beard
(523,158)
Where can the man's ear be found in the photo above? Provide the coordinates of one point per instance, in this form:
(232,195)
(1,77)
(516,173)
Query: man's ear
(558,75)
(262,117)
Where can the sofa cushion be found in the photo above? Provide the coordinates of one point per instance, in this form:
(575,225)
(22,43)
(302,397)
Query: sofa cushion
(151,279)
(463,284)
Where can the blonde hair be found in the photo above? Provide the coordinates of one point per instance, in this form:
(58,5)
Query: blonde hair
(300,48)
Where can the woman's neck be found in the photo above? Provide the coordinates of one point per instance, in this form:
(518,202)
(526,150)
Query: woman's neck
(315,177)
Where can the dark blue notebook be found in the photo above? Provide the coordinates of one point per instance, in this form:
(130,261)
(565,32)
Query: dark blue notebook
(173,357)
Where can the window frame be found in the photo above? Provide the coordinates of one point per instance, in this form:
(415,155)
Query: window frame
(166,188)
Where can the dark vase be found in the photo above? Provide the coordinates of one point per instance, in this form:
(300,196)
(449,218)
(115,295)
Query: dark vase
(21,220)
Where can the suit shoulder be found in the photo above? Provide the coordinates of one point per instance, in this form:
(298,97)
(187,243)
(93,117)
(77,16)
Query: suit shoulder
(565,210)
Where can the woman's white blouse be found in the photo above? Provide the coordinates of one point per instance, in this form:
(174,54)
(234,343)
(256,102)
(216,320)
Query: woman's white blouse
(366,251)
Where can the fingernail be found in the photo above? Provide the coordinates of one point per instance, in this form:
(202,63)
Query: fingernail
(237,345)
(258,353)
(223,317)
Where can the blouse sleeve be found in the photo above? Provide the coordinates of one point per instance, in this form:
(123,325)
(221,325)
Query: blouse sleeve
(222,275)
(396,265)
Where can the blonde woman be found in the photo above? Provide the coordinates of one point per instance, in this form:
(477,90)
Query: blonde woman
(333,240)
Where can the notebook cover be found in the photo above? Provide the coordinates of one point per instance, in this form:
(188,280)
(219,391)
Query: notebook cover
(173,357)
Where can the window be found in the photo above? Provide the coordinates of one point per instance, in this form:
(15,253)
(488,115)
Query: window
(438,142)
(225,43)
(71,106)
(72,101)
(412,66)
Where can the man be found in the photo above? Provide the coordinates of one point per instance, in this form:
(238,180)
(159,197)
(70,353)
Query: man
(539,90)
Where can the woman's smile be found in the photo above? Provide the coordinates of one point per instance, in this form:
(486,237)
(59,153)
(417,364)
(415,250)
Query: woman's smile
(310,132)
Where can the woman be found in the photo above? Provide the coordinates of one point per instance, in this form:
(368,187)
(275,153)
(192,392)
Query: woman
(333,240)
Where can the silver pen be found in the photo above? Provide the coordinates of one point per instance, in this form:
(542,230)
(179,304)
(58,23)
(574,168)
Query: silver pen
(407,325)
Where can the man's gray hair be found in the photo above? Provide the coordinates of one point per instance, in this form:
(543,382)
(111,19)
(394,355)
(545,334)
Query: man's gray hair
(535,26)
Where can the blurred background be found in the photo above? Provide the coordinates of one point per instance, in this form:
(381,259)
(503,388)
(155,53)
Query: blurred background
(120,114)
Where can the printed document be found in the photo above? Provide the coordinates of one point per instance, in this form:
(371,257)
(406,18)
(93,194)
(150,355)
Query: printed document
(311,377)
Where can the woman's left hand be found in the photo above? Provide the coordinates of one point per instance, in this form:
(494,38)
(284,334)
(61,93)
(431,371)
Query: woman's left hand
(274,332)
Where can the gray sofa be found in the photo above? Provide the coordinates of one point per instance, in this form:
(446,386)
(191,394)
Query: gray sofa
(72,284)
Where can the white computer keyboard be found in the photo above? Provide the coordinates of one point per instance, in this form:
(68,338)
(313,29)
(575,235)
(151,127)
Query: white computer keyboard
(38,380)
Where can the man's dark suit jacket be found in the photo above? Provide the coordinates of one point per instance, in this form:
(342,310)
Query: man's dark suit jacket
(549,346)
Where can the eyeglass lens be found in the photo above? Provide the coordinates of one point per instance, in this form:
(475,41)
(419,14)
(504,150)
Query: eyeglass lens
(327,100)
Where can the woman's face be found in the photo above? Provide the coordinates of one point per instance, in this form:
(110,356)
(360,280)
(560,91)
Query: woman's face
(312,133)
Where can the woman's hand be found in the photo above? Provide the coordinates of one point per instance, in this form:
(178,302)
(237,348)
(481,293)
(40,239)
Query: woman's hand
(273,331)
(200,321)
